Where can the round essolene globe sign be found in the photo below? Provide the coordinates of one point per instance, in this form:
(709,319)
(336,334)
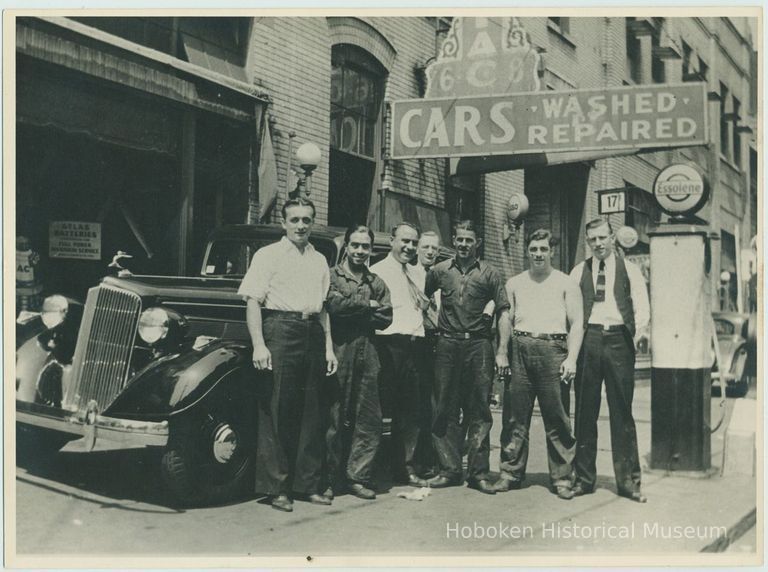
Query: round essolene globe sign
(680,190)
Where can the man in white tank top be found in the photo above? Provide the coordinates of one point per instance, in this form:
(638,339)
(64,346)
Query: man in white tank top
(546,313)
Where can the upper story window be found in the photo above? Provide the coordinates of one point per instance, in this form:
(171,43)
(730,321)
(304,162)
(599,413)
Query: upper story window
(562,25)
(736,138)
(725,140)
(633,56)
(356,84)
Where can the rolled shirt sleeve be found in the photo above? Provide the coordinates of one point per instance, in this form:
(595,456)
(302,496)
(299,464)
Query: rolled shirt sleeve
(255,283)
(500,292)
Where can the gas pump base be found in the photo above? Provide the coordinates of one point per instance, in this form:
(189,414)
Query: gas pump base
(680,419)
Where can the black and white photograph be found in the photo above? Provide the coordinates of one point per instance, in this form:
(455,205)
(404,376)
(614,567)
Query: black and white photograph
(334,287)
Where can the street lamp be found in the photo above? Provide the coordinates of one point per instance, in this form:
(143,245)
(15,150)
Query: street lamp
(308,157)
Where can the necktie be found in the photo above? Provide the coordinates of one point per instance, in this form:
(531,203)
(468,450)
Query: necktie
(420,301)
(600,287)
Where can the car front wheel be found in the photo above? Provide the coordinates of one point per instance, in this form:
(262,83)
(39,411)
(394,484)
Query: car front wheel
(209,455)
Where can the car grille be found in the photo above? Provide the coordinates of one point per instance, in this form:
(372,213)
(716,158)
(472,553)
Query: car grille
(104,346)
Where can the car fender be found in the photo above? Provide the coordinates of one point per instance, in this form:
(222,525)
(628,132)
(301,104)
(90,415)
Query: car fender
(31,358)
(177,382)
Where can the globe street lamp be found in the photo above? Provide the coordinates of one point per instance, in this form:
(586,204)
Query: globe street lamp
(308,157)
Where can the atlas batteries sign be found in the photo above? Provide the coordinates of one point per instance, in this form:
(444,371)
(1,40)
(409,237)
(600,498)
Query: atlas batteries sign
(632,117)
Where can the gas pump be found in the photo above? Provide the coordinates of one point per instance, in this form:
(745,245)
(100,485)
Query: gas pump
(681,325)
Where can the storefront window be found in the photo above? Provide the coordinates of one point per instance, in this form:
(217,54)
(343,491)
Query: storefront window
(728,283)
(357,80)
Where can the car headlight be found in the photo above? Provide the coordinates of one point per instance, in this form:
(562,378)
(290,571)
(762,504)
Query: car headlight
(54,310)
(161,325)
(153,325)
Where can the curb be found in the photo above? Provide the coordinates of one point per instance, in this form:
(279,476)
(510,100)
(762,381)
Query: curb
(733,534)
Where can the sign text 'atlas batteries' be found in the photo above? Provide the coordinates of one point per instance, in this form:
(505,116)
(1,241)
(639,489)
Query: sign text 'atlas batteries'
(610,118)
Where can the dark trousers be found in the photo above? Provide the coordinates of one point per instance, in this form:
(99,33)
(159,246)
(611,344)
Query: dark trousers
(426,459)
(535,374)
(608,356)
(355,426)
(402,368)
(289,452)
(463,383)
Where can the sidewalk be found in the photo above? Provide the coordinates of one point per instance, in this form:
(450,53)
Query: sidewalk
(684,513)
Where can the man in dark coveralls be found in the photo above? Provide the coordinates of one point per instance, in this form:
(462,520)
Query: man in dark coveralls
(358,304)
(285,289)
(464,360)
(616,309)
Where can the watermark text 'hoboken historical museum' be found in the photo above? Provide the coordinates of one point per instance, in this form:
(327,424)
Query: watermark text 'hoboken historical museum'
(566,531)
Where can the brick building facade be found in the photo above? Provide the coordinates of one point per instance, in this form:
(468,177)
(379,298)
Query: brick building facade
(327,80)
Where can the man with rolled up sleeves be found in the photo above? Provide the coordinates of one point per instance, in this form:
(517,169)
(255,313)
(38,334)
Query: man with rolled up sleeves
(464,361)
(285,289)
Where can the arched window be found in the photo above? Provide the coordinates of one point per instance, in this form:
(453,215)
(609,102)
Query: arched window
(357,85)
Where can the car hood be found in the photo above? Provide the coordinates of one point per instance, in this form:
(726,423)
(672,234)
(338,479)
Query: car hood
(180,288)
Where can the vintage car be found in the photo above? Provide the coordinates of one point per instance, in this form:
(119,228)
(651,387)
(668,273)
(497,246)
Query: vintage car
(156,361)
(736,339)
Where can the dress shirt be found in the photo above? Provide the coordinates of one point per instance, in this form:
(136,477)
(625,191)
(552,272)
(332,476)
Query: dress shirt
(607,313)
(281,277)
(465,295)
(407,318)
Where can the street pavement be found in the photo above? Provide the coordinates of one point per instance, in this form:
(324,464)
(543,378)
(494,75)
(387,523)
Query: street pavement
(111,502)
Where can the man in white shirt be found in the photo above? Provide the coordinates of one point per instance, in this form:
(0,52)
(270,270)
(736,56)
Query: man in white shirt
(285,288)
(546,310)
(616,313)
(402,349)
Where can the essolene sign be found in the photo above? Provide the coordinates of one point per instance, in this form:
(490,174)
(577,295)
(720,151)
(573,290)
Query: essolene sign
(680,190)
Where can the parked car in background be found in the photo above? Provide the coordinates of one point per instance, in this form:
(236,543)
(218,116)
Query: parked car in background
(156,361)
(737,342)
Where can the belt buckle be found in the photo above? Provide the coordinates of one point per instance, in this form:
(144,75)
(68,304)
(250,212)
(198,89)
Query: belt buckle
(606,328)
(305,315)
(466,335)
(536,335)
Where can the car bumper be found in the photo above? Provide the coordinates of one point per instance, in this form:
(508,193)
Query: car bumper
(128,432)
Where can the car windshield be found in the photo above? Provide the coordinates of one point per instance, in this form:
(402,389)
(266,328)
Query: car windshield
(230,258)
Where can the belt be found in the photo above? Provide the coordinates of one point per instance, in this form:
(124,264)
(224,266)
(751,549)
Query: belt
(538,336)
(619,328)
(400,337)
(287,315)
(464,335)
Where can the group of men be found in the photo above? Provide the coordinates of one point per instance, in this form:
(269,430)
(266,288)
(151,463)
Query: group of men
(413,336)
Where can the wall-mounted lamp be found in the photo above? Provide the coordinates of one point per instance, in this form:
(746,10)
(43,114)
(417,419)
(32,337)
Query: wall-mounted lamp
(308,157)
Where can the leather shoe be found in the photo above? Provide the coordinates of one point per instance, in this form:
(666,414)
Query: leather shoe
(361,491)
(635,496)
(316,498)
(579,490)
(328,493)
(283,503)
(564,492)
(412,480)
(482,485)
(441,482)
(503,485)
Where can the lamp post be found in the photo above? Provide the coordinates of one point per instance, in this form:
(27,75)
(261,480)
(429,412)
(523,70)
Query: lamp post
(308,157)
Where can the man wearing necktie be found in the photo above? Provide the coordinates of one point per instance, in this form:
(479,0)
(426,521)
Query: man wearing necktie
(616,311)
(402,349)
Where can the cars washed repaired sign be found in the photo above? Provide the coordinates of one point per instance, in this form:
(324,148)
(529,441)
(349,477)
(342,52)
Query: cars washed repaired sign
(631,117)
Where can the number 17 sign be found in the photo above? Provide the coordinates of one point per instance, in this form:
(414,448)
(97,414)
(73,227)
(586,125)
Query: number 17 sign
(612,201)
